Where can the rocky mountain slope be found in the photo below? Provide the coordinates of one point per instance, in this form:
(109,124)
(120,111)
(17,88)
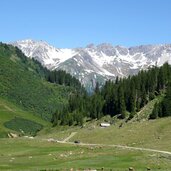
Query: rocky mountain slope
(97,63)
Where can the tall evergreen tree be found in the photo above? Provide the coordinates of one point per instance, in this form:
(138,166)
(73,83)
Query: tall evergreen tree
(121,102)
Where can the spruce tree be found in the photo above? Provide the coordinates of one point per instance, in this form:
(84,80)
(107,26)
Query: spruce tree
(121,102)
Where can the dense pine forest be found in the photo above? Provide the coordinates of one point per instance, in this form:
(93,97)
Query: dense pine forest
(122,97)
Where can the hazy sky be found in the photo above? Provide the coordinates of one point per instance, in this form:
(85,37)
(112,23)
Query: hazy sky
(76,23)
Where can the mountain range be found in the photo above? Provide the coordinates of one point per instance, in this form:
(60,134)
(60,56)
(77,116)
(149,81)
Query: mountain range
(96,62)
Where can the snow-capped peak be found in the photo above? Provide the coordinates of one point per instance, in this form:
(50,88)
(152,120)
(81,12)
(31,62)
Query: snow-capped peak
(43,52)
(99,62)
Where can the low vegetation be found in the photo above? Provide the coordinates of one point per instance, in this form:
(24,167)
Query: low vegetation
(24,126)
(15,120)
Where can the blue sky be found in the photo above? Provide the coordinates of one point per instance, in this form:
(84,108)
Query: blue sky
(76,23)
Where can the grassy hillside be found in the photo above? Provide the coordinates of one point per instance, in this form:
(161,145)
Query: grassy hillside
(10,117)
(152,134)
(22,85)
(139,131)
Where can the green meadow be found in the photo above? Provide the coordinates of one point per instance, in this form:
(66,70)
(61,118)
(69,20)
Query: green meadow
(36,154)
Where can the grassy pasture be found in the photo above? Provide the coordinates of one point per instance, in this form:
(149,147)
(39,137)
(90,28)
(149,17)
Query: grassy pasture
(36,154)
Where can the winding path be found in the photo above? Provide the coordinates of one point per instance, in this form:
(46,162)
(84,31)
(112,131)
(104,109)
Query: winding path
(69,137)
(65,141)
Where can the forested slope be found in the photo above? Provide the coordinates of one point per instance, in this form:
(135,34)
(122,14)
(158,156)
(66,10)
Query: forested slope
(123,97)
(23,82)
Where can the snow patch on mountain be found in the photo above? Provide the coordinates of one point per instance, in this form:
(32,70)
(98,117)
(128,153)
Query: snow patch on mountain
(164,57)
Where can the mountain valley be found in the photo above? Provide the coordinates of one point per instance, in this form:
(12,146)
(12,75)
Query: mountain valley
(43,112)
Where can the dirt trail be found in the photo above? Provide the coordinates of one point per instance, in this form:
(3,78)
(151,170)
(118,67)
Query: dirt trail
(69,137)
(65,141)
(120,146)
(6,107)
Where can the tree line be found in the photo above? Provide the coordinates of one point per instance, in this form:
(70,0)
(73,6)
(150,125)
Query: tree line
(122,97)
(163,108)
